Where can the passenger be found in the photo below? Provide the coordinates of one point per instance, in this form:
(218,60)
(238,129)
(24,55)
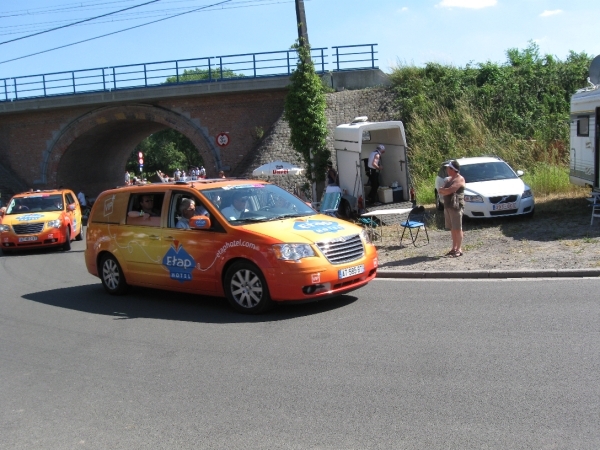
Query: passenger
(221,174)
(237,207)
(187,209)
(147,205)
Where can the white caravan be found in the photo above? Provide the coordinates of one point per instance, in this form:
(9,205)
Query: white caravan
(353,143)
(585,132)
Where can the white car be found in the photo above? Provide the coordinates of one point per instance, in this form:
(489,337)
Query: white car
(493,188)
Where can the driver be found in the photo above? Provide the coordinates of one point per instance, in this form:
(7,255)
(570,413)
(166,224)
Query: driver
(237,207)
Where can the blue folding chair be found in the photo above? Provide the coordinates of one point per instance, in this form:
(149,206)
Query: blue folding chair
(415,221)
(331,203)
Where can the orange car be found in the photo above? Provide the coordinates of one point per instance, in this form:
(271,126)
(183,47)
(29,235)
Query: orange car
(246,240)
(40,219)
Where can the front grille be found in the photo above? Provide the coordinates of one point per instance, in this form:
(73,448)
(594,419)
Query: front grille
(503,199)
(342,250)
(29,228)
(503,212)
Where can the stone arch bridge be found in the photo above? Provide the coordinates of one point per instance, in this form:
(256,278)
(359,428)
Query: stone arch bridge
(83,141)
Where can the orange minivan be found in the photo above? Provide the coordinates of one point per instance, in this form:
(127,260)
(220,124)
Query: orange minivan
(249,241)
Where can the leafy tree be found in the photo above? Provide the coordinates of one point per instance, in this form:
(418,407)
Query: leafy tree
(204,74)
(305,113)
(166,150)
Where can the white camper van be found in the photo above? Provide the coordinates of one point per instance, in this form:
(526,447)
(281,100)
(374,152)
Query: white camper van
(585,132)
(353,143)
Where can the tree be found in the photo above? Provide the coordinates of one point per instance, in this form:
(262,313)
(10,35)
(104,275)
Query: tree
(305,113)
(203,74)
(166,150)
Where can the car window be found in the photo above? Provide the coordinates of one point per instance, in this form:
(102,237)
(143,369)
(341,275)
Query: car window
(70,199)
(145,209)
(175,213)
(497,170)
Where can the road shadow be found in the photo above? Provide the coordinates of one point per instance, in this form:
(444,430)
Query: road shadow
(166,305)
(410,261)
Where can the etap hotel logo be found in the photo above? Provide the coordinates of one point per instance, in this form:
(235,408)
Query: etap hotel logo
(318,226)
(179,263)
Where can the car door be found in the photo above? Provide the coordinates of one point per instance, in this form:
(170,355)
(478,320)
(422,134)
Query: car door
(190,256)
(140,240)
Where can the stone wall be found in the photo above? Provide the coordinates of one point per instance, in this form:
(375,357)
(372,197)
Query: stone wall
(342,107)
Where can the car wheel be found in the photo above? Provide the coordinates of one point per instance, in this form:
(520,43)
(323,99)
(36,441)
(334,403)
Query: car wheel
(344,210)
(67,245)
(246,288)
(112,276)
(79,237)
(438,204)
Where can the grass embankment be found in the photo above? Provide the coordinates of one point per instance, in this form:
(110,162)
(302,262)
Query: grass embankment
(518,111)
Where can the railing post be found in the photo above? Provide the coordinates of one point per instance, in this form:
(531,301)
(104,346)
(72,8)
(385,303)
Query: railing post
(145,77)
(103,80)
(209,70)
(44,83)
(372,56)
(15,88)
(322,62)
(221,67)
(254,63)
(5,90)
(114,79)
(288,62)
(337,57)
(177,70)
(73,78)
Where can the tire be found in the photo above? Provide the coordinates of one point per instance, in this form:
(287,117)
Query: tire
(246,288)
(439,205)
(112,276)
(79,237)
(67,245)
(344,210)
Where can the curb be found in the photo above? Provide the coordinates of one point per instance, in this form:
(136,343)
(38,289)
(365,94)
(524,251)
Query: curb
(492,274)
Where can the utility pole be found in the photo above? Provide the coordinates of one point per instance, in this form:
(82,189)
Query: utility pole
(301,19)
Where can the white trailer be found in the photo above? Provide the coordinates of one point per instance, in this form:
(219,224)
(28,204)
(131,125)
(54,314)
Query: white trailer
(585,132)
(353,143)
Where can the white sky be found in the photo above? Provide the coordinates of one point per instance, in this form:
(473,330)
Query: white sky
(407,31)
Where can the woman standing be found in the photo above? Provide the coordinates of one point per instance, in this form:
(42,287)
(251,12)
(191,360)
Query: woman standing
(453,211)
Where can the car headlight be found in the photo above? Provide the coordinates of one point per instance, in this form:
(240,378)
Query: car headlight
(53,224)
(293,252)
(4,228)
(527,193)
(365,236)
(474,198)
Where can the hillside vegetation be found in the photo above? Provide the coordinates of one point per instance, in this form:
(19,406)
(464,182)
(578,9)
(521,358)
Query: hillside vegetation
(518,110)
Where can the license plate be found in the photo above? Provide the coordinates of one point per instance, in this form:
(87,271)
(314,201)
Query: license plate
(503,206)
(28,239)
(351,271)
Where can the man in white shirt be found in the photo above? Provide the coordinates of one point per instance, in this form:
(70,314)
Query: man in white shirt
(237,207)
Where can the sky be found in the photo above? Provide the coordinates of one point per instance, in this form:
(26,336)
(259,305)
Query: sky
(407,32)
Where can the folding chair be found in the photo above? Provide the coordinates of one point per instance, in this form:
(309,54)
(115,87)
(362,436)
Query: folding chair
(331,204)
(595,207)
(414,221)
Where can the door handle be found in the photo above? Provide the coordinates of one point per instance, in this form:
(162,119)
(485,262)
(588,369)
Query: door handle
(154,237)
(169,238)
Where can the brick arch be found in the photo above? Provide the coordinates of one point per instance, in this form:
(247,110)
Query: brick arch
(90,153)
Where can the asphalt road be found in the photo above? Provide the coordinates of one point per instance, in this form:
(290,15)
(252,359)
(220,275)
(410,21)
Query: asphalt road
(399,364)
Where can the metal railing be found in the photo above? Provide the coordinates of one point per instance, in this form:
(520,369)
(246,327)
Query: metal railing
(196,70)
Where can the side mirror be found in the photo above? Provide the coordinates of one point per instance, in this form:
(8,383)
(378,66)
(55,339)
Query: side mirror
(520,173)
(71,207)
(200,223)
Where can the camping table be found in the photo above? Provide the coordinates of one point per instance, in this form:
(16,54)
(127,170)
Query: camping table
(384,212)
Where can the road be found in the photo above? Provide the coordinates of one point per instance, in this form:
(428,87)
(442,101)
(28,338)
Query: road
(399,364)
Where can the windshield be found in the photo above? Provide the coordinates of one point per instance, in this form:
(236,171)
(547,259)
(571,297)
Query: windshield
(497,170)
(35,203)
(256,203)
